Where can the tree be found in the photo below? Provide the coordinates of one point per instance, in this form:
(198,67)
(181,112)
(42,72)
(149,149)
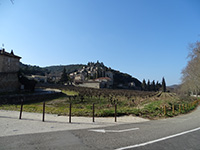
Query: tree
(153,86)
(163,85)
(148,85)
(191,73)
(64,77)
(144,85)
(158,86)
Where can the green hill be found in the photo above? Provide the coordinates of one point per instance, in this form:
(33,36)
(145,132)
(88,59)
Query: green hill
(36,70)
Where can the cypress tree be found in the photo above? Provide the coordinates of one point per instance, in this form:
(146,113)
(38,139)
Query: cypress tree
(153,86)
(158,86)
(163,85)
(144,85)
(148,85)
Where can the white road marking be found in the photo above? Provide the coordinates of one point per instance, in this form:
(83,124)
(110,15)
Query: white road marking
(158,140)
(114,131)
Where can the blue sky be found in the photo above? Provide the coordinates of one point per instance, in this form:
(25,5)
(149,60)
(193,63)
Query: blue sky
(146,38)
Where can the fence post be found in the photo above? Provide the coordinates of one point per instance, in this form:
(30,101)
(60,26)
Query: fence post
(186,105)
(165,110)
(115,112)
(22,103)
(43,111)
(93,111)
(70,112)
(173,109)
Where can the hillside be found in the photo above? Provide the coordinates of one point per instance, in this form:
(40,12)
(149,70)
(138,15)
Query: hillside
(125,79)
(69,68)
(36,70)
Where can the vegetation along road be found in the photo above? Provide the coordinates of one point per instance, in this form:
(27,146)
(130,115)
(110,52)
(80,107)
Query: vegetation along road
(151,105)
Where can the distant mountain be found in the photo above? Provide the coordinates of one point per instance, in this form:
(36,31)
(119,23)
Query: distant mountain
(173,88)
(32,70)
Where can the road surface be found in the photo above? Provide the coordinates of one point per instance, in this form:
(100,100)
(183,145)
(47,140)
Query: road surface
(179,133)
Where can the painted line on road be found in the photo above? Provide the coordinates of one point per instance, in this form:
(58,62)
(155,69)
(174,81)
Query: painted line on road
(114,131)
(158,140)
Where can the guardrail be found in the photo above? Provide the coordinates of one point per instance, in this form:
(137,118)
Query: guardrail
(70,112)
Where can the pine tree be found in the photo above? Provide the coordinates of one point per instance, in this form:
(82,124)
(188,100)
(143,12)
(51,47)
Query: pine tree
(64,77)
(163,85)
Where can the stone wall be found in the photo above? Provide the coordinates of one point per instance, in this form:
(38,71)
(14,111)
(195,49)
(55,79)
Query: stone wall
(28,98)
(9,82)
(9,64)
(95,85)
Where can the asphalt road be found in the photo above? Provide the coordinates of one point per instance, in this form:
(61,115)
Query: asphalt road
(179,133)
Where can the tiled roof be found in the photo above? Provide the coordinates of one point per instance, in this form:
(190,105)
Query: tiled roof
(103,78)
(3,52)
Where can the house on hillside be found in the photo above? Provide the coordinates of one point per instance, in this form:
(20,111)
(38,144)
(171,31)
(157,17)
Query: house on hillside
(109,74)
(38,78)
(131,84)
(105,82)
(79,78)
(54,77)
(9,68)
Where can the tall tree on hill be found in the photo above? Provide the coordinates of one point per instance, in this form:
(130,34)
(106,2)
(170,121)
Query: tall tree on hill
(153,86)
(163,85)
(144,85)
(148,85)
(64,77)
(158,86)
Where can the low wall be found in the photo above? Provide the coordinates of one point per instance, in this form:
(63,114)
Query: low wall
(90,85)
(27,98)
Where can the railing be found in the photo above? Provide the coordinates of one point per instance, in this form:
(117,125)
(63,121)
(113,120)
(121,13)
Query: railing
(70,112)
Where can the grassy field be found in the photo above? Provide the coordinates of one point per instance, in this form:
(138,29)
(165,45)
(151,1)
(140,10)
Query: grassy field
(147,105)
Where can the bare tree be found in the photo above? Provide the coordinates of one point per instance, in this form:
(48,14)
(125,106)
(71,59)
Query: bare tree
(191,74)
(12,1)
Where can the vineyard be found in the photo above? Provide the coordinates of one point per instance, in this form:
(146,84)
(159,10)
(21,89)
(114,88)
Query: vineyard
(129,102)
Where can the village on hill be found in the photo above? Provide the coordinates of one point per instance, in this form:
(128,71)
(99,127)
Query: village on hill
(92,75)
(16,76)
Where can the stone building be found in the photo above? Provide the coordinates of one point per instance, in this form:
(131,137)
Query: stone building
(9,67)
(105,82)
